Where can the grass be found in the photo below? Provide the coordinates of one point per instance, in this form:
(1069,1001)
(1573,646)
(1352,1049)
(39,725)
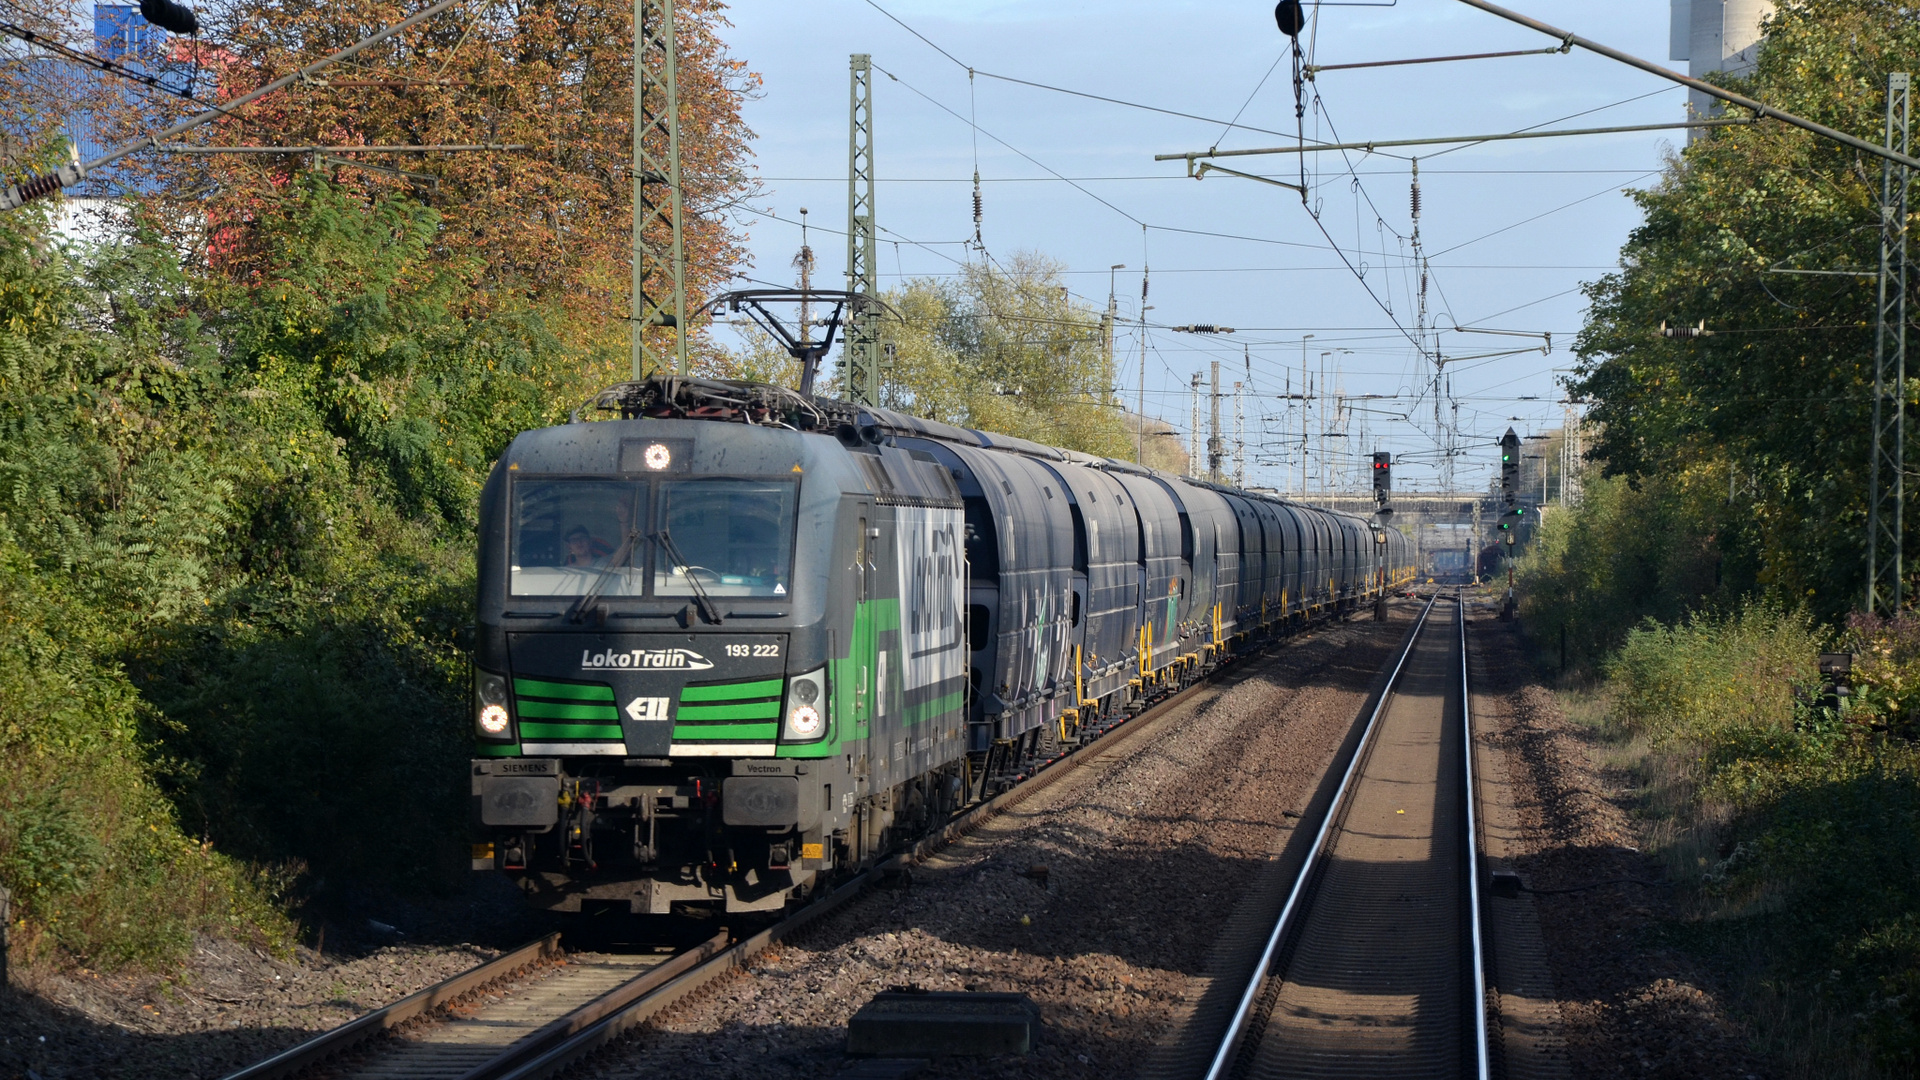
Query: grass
(1792,833)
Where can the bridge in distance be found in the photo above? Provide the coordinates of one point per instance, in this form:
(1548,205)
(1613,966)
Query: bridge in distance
(1443,526)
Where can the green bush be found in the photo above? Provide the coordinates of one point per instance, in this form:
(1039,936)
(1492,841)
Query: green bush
(236,524)
(1631,552)
(47,851)
(1713,680)
(1793,827)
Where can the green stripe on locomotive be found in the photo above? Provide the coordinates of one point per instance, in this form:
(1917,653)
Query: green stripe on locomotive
(751,710)
(759,688)
(565,691)
(852,718)
(757,733)
(570,732)
(553,710)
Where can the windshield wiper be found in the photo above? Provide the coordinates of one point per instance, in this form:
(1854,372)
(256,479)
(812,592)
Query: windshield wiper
(707,607)
(578,611)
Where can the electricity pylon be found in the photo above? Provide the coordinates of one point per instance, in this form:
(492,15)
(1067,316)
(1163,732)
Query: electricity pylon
(656,189)
(1887,496)
(864,357)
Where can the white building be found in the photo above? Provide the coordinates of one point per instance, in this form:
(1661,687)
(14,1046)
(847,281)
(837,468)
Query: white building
(1715,35)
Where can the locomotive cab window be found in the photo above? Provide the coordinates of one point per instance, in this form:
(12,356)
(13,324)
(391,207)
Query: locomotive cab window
(735,537)
(569,533)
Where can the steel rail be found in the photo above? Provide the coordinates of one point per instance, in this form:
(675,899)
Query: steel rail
(1482,1055)
(617,998)
(381,1020)
(1230,1042)
(583,1030)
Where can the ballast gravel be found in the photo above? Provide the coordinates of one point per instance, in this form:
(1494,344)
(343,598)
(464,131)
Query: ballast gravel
(230,1005)
(1099,897)
(1629,1004)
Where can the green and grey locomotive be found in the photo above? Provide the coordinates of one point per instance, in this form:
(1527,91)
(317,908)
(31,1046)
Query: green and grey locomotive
(741,640)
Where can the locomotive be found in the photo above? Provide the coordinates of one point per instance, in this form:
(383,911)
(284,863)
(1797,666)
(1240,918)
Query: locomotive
(741,640)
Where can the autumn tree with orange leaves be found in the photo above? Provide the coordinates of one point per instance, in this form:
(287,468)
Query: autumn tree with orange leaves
(550,224)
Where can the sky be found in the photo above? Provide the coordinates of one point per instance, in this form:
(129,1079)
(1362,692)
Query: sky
(1511,229)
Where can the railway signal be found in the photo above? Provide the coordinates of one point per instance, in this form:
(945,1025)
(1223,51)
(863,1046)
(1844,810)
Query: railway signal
(1382,497)
(1508,520)
(169,16)
(1510,512)
(1291,17)
(1509,467)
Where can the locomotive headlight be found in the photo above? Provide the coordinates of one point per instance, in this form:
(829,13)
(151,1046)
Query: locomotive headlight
(803,722)
(657,456)
(490,716)
(806,718)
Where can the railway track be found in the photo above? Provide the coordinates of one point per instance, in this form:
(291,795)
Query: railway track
(534,1011)
(1374,965)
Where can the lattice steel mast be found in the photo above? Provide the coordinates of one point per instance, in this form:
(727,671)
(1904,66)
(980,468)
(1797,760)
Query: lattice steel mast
(656,165)
(864,358)
(1886,496)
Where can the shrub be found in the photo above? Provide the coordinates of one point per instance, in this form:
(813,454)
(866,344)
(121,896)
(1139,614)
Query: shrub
(1713,678)
(235,532)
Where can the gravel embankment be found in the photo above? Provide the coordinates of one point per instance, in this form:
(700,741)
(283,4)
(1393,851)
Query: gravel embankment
(1144,857)
(231,1005)
(1629,1005)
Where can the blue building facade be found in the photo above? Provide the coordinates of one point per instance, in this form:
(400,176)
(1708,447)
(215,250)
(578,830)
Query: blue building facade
(123,35)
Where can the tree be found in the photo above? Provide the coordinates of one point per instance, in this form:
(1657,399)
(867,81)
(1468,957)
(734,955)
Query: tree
(550,225)
(1779,399)
(1006,348)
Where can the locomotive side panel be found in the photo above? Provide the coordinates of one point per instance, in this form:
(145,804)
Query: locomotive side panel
(918,646)
(907,665)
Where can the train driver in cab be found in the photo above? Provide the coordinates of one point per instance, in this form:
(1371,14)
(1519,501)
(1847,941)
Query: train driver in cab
(584,550)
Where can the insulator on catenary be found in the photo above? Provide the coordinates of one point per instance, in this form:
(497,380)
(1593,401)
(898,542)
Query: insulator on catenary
(1685,332)
(1416,200)
(39,186)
